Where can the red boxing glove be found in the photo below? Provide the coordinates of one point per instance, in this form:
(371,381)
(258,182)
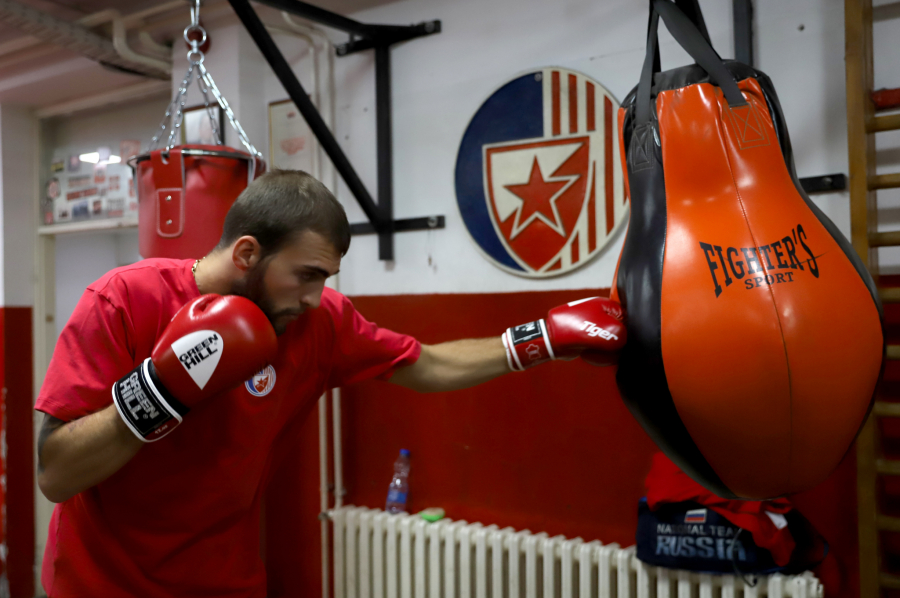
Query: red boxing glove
(592,328)
(211,345)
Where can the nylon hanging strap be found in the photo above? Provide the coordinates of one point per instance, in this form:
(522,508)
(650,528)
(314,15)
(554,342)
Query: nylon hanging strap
(691,9)
(651,66)
(695,43)
(651,34)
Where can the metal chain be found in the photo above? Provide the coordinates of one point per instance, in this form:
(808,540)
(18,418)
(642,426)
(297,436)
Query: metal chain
(175,105)
(178,118)
(206,84)
(213,121)
(207,78)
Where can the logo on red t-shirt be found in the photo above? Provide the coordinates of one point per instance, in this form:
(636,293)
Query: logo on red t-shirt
(262,382)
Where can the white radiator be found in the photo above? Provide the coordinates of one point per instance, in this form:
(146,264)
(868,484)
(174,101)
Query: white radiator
(378,555)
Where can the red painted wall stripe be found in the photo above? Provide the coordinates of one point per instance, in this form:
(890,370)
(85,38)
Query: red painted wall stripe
(608,133)
(573,104)
(16,373)
(592,212)
(555,86)
(591,125)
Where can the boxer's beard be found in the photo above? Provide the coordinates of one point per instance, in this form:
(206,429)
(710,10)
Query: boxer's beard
(253,287)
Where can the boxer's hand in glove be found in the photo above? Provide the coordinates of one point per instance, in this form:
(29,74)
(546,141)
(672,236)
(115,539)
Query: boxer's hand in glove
(590,328)
(211,345)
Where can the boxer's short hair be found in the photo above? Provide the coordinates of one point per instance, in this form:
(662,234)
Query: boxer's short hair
(280,205)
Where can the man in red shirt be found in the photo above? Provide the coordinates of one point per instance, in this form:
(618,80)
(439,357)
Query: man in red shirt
(168,505)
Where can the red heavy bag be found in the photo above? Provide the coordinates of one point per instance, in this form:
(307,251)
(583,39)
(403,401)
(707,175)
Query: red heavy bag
(755,334)
(184,194)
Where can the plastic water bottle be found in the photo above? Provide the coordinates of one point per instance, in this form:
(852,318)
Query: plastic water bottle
(397,491)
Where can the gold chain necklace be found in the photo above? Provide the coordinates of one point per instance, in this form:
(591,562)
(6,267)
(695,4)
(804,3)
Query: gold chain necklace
(194,272)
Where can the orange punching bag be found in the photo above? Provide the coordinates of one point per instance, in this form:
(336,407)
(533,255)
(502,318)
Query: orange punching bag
(755,336)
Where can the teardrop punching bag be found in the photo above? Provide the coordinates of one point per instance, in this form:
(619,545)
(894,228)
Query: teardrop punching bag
(755,337)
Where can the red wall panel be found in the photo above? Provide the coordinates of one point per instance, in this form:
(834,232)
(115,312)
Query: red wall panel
(18,404)
(552,449)
(531,450)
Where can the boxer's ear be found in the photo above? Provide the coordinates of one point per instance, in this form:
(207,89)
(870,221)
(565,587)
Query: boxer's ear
(246,252)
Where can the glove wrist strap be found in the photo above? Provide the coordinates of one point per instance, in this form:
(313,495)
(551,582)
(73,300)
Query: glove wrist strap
(147,408)
(527,345)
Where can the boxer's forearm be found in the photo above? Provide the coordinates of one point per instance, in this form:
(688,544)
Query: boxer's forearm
(454,365)
(82,453)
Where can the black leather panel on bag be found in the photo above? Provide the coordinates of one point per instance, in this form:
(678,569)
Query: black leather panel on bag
(641,375)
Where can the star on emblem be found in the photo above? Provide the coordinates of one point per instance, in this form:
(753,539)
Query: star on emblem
(539,197)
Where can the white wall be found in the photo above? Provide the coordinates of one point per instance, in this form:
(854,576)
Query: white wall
(440,81)
(81,259)
(18,152)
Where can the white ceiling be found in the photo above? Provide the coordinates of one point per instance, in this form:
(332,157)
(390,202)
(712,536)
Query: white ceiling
(54,80)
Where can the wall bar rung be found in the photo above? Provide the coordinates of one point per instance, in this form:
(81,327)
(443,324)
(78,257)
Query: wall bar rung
(884,239)
(888,122)
(888,467)
(888,524)
(889,294)
(884,181)
(886,409)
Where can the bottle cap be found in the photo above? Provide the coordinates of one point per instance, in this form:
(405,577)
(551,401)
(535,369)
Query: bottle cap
(404,453)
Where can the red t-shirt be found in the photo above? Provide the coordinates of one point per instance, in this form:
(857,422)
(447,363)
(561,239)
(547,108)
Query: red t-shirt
(182,517)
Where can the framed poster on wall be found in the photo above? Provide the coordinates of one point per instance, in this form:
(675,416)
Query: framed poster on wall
(197,127)
(292,145)
(88,189)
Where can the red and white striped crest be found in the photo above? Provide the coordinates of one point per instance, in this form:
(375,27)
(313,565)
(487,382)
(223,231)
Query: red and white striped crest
(555,201)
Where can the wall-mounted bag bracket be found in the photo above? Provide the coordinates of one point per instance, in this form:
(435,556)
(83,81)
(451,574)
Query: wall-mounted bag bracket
(363,36)
(825,183)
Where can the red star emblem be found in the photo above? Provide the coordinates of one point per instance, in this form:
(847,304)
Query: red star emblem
(537,197)
(261,384)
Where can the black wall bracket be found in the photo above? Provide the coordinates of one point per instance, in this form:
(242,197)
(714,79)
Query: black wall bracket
(824,184)
(362,37)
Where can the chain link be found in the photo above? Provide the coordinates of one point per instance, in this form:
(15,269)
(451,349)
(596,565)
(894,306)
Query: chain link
(175,110)
(195,13)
